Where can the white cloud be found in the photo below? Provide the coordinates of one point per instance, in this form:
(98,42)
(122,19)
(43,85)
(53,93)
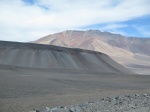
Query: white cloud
(143,30)
(22,22)
(113,26)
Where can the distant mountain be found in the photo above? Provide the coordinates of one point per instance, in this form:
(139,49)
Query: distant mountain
(128,51)
(83,38)
(91,40)
(53,58)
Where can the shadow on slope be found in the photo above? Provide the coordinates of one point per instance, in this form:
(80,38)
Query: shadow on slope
(38,56)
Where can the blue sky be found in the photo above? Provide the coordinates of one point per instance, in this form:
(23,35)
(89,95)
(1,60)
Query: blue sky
(29,2)
(28,20)
(137,27)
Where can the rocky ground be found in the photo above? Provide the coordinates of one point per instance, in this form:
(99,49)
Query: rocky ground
(127,103)
(23,90)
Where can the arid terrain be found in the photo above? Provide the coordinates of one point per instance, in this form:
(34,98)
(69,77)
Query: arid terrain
(74,55)
(131,52)
(39,76)
(24,90)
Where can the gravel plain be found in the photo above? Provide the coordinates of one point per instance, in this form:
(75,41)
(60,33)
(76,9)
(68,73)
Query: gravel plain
(23,90)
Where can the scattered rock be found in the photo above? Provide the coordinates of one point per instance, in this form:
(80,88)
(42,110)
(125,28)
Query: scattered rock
(127,103)
(47,109)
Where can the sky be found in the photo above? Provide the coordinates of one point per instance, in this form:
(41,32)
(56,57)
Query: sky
(28,20)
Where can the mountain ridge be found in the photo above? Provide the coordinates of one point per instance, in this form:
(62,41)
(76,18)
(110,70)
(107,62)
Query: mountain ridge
(37,56)
(109,38)
(119,47)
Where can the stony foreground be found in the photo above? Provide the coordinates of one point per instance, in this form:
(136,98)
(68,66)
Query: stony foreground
(127,103)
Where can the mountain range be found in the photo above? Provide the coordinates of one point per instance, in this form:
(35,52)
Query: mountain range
(131,52)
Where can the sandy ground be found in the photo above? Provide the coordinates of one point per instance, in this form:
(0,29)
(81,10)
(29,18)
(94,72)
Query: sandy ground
(24,90)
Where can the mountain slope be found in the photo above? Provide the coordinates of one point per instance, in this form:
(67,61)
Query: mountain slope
(86,40)
(77,38)
(126,51)
(57,58)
